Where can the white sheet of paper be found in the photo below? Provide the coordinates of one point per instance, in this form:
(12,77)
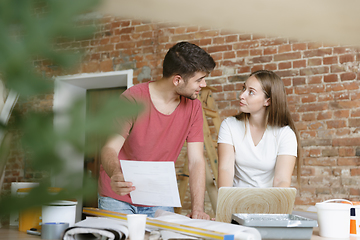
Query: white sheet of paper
(155,182)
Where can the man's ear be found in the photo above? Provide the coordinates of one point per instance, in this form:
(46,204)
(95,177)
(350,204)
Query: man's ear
(267,102)
(177,80)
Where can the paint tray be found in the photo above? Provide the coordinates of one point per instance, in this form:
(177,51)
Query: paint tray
(277,226)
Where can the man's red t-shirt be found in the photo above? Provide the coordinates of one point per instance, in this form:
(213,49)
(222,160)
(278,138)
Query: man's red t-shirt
(153,136)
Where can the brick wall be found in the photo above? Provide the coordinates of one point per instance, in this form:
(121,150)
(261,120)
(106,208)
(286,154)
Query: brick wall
(322,83)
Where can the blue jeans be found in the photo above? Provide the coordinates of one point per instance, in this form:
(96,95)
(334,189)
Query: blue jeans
(111,204)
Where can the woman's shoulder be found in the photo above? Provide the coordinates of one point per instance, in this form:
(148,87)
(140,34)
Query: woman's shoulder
(232,122)
(284,131)
(231,119)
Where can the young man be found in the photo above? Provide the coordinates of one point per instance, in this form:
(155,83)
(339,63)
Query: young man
(172,115)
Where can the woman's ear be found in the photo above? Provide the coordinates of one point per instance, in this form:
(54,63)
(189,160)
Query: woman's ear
(267,102)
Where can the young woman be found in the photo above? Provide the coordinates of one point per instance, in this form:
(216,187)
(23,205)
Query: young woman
(260,146)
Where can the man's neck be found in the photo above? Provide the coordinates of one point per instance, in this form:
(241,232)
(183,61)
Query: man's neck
(164,90)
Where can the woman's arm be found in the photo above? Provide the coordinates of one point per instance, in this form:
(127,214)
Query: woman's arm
(283,170)
(226,165)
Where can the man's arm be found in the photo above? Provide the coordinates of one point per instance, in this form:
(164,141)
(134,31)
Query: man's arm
(111,165)
(197,179)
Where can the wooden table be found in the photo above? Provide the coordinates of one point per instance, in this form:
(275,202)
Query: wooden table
(12,233)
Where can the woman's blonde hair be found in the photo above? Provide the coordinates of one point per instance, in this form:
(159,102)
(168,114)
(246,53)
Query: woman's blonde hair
(277,113)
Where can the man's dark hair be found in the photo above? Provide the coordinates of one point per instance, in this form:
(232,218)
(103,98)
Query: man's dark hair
(185,59)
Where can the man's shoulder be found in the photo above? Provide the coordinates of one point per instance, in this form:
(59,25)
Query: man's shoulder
(139,90)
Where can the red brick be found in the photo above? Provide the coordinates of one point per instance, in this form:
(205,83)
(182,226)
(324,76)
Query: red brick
(257,36)
(106,65)
(346,58)
(142,43)
(335,124)
(293,99)
(204,42)
(285,48)
(320,161)
(287,56)
(310,89)
(347,76)
(271,66)
(218,40)
(299,81)
(90,67)
(124,45)
(313,107)
(232,38)
(322,97)
(339,50)
(356,192)
(346,142)
(270,50)
(324,115)
(307,171)
(314,45)
(256,68)
(147,35)
(354,122)
(314,70)
(315,79)
(330,60)
(216,56)
(346,151)
(263,59)
(308,117)
(287,73)
(183,37)
(355,172)
(244,69)
(243,53)
(272,42)
(349,161)
(246,45)
(206,34)
(355,112)
(299,46)
(317,53)
(342,113)
(307,134)
(349,104)
(331,78)
(341,96)
(192,29)
(256,52)
(337,69)
(228,55)
(308,98)
(244,37)
(351,85)
(314,61)
(299,64)
(232,63)
(284,65)
(124,30)
(220,48)
(144,28)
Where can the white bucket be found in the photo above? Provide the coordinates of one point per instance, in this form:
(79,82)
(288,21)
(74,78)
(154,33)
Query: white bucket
(334,218)
(59,211)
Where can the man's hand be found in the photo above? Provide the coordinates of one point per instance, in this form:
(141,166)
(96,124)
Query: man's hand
(119,186)
(198,215)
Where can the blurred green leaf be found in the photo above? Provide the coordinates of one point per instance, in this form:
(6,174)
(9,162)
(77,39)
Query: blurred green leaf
(33,31)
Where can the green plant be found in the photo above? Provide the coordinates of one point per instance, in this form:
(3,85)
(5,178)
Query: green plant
(32,30)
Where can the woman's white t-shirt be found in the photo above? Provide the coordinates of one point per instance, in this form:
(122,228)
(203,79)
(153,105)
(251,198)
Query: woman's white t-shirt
(255,165)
